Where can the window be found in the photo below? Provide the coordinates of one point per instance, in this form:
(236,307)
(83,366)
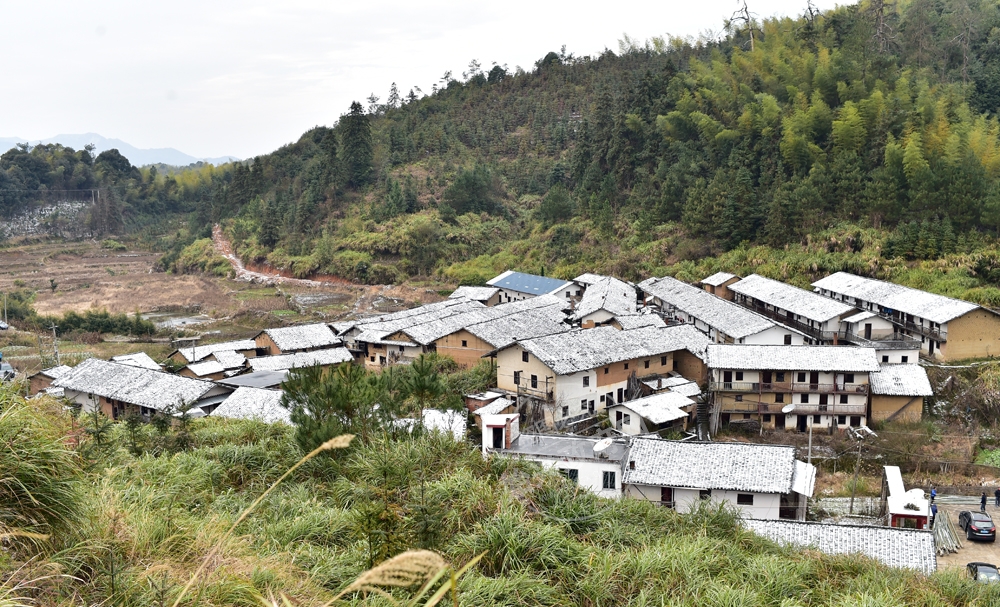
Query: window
(739,398)
(824,399)
(627,419)
(606,369)
(565,410)
(663,361)
(373,359)
(602,398)
(579,292)
(626,366)
(855,421)
(465,344)
(767,418)
(645,364)
(779,398)
(817,419)
(586,381)
(674,367)
(885,359)
(705,494)
(608,482)
(848,378)
(583,404)
(744,499)
(779,376)
(788,342)
(802,378)
(401,349)
(534,381)
(804,398)
(524,357)
(591,406)
(571,474)
(517,378)
(843,399)
(841,420)
(739,376)
(904,359)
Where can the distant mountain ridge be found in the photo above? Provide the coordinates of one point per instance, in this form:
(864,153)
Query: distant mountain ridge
(137,156)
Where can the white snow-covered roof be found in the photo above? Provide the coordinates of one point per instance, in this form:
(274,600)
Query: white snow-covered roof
(474,293)
(637,321)
(199,352)
(303,337)
(933,307)
(725,466)
(209,367)
(659,408)
(281,362)
(254,403)
(56,372)
(134,385)
(798,301)
(732,319)
(547,307)
(900,380)
(376,328)
(230,359)
(494,408)
(137,359)
(850,359)
(717,279)
(501,332)
(892,546)
(589,278)
(679,385)
(586,349)
(608,294)
(856,318)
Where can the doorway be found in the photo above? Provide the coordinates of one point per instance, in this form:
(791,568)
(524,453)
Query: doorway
(498,438)
(779,422)
(802,419)
(868,330)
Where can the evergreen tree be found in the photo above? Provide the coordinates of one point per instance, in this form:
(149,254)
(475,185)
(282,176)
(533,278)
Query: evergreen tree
(356,140)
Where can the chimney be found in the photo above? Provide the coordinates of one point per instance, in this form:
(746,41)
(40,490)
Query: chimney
(631,464)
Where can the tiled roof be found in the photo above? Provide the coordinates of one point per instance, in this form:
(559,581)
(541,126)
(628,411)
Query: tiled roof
(501,332)
(376,328)
(586,349)
(659,408)
(256,379)
(637,321)
(528,283)
(902,548)
(717,279)
(332,356)
(901,380)
(589,278)
(856,318)
(933,307)
(303,337)
(679,385)
(203,351)
(144,387)
(545,307)
(254,403)
(208,367)
(800,302)
(848,359)
(474,293)
(137,359)
(727,466)
(608,294)
(230,359)
(56,372)
(732,319)
(494,407)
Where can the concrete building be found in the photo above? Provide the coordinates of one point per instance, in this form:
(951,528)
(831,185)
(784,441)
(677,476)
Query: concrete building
(828,385)
(515,286)
(948,329)
(759,481)
(657,413)
(817,316)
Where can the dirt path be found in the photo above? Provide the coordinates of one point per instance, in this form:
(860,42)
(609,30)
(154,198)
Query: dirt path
(225,248)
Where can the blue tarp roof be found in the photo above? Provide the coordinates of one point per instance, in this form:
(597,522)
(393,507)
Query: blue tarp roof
(529,283)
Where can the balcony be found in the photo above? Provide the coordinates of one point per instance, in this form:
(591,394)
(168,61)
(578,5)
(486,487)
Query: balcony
(797,387)
(800,408)
(783,318)
(897,341)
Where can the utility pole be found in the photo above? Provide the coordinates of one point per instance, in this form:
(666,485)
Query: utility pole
(5,307)
(55,343)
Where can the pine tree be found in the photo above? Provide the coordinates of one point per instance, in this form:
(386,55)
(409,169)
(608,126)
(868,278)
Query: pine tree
(356,145)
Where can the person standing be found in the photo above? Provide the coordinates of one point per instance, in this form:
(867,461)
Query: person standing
(996,494)
(933,493)
(933,514)
(982,502)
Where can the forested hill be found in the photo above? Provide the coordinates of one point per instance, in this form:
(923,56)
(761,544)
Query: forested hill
(864,138)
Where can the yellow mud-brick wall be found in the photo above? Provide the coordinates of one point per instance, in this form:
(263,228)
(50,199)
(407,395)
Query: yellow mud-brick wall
(973,335)
(469,355)
(619,372)
(884,407)
(264,342)
(690,366)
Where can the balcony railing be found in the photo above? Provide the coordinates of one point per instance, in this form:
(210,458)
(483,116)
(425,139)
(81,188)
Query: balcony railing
(800,408)
(814,332)
(797,387)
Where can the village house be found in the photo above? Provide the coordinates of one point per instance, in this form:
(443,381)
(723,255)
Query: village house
(603,301)
(868,329)
(898,392)
(828,385)
(254,403)
(595,464)
(817,316)
(137,359)
(316,358)
(627,322)
(902,548)
(299,338)
(209,370)
(948,329)
(183,356)
(118,390)
(903,509)
(758,481)
(722,320)
(257,379)
(718,284)
(654,414)
(499,406)
(488,296)
(515,286)
(571,375)
(39,382)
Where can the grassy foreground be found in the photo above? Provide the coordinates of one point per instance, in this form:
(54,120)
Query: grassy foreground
(133,512)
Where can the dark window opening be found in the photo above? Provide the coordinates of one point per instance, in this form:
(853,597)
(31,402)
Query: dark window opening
(744,499)
(524,357)
(608,482)
(534,381)
(517,378)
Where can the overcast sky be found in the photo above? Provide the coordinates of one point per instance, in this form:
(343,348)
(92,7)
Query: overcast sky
(212,78)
